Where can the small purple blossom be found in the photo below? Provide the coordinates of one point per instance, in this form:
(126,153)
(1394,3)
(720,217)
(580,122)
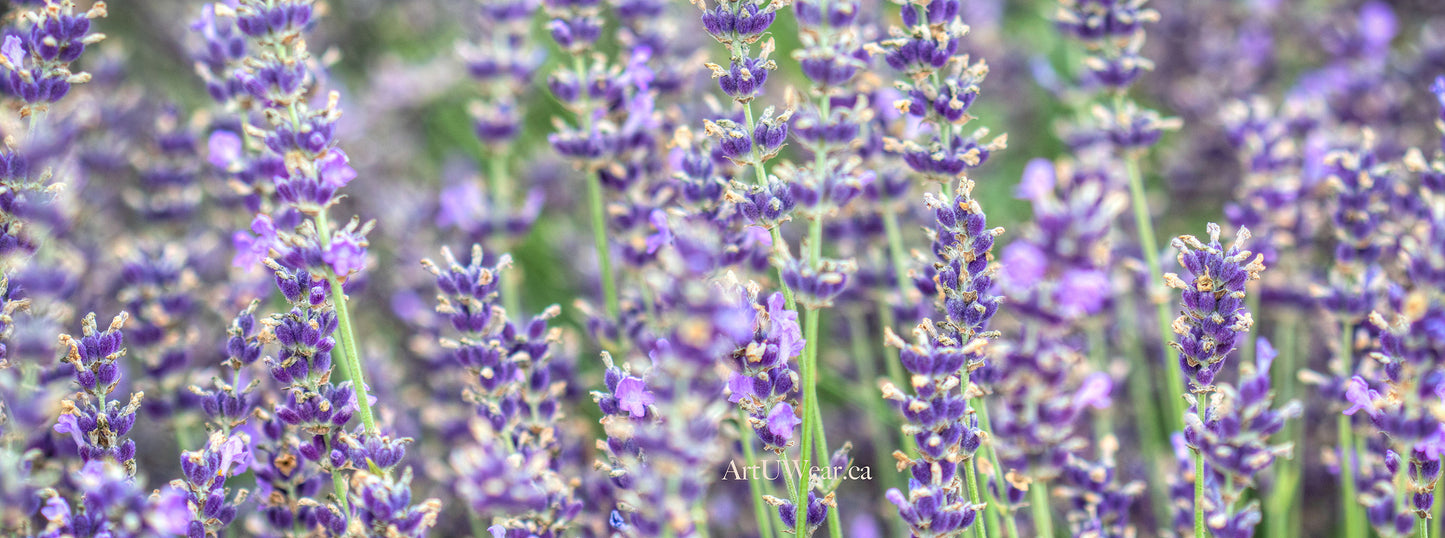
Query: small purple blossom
(633,396)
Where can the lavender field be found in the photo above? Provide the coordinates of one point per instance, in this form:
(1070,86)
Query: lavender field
(726,268)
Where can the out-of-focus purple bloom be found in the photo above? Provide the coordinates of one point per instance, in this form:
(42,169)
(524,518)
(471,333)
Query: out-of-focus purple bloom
(1361,396)
(632,396)
(223,149)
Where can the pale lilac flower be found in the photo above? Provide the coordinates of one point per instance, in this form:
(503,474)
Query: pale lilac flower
(347,253)
(782,420)
(12,51)
(224,148)
(250,250)
(1361,396)
(1025,265)
(335,169)
(633,396)
(658,218)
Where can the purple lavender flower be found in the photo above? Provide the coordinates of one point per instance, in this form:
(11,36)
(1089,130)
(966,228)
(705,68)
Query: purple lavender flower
(1099,504)
(1233,435)
(112,504)
(35,62)
(213,506)
(98,425)
(509,373)
(1214,317)
(763,383)
(943,491)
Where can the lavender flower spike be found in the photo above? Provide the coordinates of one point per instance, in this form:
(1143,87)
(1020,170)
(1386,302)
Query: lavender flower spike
(97,425)
(1214,317)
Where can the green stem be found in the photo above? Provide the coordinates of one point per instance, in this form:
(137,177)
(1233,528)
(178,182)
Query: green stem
(1354,523)
(760,511)
(868,374)
(895,247)
(986,424)
(1281,501)
(502,200)
(1282,498)
(1147,242)
(979,529)
(1039,505)
(348,336)
(778,245)
(1437,515)
(599,240)
(1199,531)
(810,392)
(1147,414)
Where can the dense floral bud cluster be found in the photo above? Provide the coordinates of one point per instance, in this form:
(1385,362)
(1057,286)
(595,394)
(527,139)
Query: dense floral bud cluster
(943,361)
(1056,273)
(36,60)
(763,383)
(1214,318)
(938,86)
(1098,504)
(112,504)
(1233,436)
(97,424)
(213,506)
(509,369)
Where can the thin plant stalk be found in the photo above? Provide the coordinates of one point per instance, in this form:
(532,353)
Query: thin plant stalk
(755,487)
(1039,504)
(986,425)
(800,497)
(501,186)
(599,240)
(1144,225)
(1147,420)
(979,529)
(1199,531)
(1354,523)
(352,358)
(598,208)
(1282,506)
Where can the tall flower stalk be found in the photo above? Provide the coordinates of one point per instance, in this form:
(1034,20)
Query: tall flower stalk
(587,88)
(1212,325)
(941,409)
(1113,35)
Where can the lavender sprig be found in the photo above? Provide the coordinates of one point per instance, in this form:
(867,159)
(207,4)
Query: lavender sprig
(512,475)
(96,424)
(278,77)
(213,506)
(36,61)
(941,411)
(1208,330)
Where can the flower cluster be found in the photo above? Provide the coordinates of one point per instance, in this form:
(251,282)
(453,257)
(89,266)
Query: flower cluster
(763,383)
(509,371)
(942,362)
(97,424)
(1233,436)
(37,59)
(1214,318)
